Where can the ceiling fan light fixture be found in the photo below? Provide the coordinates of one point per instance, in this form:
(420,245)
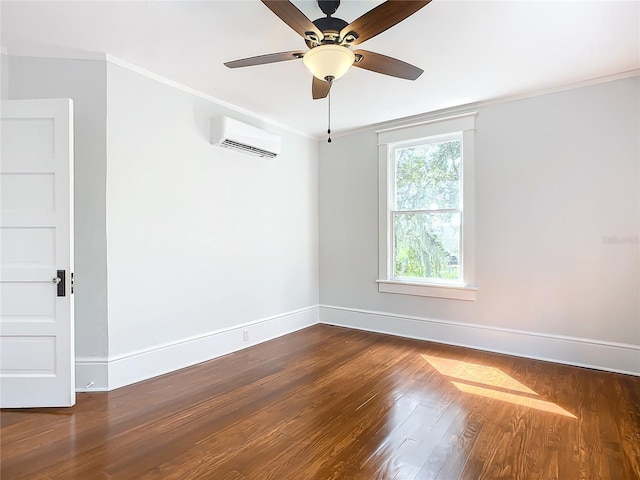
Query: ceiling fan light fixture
(328,61)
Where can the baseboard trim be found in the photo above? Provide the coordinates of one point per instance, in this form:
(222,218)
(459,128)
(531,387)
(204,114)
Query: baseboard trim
(99,374)
(576,351)
(92,374)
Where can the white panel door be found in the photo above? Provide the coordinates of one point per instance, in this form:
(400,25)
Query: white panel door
(37,366)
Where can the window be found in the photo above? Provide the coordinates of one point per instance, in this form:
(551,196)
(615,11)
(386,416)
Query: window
(426,209)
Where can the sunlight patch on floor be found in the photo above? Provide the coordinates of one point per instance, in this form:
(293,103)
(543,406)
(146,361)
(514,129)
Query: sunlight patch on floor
(514,399)
(490,376)
(496,382)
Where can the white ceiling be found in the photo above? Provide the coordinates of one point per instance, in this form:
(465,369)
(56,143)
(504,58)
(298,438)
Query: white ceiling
(470,50)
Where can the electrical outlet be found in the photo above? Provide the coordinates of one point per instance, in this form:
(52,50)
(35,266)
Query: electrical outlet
(245,335)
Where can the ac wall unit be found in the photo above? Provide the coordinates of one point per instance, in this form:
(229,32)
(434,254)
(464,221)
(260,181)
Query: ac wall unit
(230,133)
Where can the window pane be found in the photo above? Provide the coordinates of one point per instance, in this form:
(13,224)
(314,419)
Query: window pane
(427,245)
(428,176)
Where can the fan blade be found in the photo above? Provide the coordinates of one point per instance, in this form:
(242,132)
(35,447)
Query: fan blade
(289,14)
(320,88)
(381,18)
(386,65)
(262,59)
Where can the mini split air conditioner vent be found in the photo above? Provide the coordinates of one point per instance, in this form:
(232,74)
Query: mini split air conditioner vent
(248,148)
(230,133)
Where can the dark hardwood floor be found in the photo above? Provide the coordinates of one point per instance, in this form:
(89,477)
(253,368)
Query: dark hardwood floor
(333,403)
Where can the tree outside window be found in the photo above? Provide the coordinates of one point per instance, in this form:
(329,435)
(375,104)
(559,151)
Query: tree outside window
(426,210)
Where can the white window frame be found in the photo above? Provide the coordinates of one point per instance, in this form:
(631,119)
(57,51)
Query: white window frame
(427,131)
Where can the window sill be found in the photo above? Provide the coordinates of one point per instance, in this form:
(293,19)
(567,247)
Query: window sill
(452,292)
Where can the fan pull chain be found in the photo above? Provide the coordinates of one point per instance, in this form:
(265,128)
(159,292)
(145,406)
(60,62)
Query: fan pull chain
(329,127)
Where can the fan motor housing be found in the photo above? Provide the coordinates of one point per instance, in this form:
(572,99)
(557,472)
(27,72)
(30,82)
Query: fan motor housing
(330,28)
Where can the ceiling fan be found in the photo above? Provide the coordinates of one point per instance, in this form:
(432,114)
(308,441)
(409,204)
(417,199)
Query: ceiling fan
(330,39)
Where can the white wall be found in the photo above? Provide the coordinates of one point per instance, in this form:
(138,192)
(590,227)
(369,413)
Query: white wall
(200,238)
(202,243)
(85,82)
(4,77)
(180,246)
(557,177)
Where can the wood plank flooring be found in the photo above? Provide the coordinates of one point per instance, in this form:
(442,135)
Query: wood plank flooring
(333,403)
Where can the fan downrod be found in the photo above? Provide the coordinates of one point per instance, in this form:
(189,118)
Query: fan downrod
(328,7)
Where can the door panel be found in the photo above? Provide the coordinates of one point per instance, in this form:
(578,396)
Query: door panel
(18,145)
(28,193)
(36,221)
(29,355)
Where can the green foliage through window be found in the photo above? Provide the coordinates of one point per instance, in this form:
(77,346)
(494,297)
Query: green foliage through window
(427,214)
